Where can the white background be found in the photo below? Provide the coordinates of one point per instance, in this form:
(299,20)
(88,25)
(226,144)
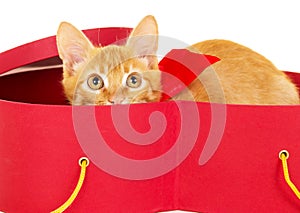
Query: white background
(269,27)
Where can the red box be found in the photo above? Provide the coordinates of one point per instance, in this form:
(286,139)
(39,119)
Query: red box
(195,156)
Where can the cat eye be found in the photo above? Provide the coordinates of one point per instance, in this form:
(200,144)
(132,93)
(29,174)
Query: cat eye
(134,80)
(95,82)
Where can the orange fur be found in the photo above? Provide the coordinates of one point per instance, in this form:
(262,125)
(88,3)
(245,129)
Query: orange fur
(242,76)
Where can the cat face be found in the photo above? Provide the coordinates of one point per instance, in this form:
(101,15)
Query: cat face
(112,74)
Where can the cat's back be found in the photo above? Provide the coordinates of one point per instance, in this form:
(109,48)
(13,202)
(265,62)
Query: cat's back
(246,76)
(225,49)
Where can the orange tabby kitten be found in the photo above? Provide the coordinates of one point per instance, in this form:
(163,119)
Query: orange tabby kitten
(129,73)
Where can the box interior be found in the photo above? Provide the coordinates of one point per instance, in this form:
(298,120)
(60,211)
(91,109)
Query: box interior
(42,85)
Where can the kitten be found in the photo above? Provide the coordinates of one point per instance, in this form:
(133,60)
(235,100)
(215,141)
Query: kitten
(129,73)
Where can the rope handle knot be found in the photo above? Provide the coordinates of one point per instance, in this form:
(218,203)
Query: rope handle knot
(283,156)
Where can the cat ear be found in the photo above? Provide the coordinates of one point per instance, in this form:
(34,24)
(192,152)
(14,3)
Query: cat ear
(143,40)
(73,46)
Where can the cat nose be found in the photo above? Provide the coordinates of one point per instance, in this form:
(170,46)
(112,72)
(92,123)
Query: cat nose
(111,101)
(115,100)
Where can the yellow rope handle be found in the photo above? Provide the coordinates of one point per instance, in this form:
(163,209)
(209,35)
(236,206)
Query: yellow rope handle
(83,162)
(284,155)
